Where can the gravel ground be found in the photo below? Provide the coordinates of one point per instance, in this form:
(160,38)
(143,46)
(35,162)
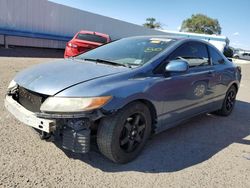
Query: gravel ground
(207,151)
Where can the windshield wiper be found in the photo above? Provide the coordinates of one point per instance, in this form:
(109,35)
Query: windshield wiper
(105,62)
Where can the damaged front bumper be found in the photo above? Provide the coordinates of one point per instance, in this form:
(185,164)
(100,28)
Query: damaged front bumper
(27,117)
(73,129)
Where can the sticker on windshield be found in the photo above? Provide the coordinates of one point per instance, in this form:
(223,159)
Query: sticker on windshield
(150,49)
(153,40)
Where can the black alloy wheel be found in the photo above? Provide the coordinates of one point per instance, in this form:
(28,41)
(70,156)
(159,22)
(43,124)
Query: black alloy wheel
(122,136)
(229,102)
(133,132)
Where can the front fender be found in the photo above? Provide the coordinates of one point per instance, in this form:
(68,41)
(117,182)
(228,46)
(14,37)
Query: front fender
(123,91)
(117,103)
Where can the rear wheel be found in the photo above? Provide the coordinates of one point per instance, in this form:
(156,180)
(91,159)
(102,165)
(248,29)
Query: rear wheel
(122,136)
(229,102)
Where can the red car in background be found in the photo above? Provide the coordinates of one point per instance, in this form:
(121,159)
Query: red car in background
(84,41)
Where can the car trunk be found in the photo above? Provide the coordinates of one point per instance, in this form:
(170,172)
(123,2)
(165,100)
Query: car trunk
(83,45)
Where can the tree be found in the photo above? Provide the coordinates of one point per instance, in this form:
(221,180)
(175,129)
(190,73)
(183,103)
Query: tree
(150,23)
(200,23)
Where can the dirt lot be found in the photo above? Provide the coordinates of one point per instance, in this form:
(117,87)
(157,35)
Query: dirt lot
(208,151)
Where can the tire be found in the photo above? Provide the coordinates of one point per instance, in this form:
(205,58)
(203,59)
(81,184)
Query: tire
(122,136)
(228,103)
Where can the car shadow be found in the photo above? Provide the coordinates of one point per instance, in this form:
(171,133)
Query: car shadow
(184,146)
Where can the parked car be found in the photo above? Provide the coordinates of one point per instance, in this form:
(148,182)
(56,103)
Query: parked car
(242,55)
(84,41)
(123,92)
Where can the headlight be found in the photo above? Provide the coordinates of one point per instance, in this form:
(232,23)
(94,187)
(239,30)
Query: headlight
(61,104)
(12,84)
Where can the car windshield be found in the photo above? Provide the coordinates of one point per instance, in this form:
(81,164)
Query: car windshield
(90,37)
(129,51)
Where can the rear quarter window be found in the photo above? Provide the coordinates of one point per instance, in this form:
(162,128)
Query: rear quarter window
(215,57)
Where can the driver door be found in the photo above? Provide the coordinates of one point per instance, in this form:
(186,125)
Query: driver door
(189,93)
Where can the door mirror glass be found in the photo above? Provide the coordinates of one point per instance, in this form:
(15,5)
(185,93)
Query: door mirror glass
(178,65)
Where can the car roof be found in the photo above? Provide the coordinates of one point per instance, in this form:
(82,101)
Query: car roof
(179,40)
(175,38)
(156,36)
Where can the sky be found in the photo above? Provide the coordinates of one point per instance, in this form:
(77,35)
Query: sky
(233,16)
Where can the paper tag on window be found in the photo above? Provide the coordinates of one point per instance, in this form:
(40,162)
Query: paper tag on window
(158,40)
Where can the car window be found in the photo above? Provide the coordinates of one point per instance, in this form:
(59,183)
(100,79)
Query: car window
(194,53)
(215,57)
(130,51)
(92,38)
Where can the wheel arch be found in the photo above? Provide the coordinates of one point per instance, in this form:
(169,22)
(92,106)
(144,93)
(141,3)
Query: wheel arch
(151,108)
(236,85)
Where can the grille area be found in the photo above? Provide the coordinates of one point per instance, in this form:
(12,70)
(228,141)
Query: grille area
(30,100)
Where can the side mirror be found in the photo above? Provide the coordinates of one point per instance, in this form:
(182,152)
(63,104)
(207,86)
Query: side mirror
(178,65)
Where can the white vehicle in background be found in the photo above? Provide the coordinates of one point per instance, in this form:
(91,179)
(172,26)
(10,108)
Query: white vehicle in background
(220,42)
(242,55)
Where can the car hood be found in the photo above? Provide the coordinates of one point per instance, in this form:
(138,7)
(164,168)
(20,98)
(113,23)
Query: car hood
(51,78)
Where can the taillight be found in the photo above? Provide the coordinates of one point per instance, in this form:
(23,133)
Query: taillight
(71,45)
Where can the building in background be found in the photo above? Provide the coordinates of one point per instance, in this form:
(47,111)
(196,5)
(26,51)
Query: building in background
(41,23)
(45,24)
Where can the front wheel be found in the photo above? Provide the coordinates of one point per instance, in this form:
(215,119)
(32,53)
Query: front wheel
(228,103)
(121,137)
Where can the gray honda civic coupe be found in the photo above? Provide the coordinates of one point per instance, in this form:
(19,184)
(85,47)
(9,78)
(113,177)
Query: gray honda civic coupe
(123,92)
